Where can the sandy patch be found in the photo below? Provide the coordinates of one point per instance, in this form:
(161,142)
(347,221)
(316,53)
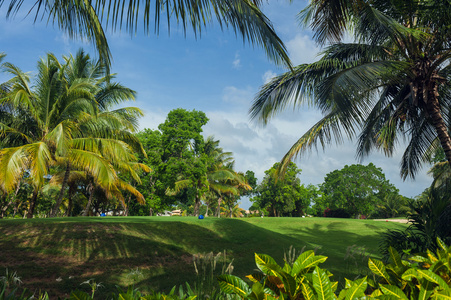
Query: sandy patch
(405,221)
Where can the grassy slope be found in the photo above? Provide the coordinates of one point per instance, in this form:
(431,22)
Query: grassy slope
(106,249)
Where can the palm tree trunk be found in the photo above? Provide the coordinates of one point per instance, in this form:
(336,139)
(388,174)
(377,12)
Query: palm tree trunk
(126,212)
(218,211)
(16,207)
(60,196)
(70,197)
(206,213)
(88,206)
(32,204)
(196,205)
(433,109)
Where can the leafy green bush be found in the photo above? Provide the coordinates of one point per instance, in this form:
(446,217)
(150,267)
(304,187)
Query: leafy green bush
(431,219)
(419,277)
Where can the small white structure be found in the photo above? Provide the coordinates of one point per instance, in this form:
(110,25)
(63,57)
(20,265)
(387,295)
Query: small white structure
(176,212)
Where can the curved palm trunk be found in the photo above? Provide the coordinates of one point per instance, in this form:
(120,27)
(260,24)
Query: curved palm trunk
(60,196)
(433,109)
(32,204)
(88,206)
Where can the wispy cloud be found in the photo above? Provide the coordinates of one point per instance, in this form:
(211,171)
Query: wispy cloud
(237,61)
(268,76)
(302,49)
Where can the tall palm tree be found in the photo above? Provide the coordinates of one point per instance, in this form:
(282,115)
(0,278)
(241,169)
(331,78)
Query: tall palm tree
(107,129)
(392,83)
(64,126)
(87,18)
(220,173)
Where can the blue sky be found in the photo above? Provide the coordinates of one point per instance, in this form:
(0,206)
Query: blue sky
(216,74)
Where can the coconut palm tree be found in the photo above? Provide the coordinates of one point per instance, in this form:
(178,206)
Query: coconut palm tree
(107,129)
(219,179)
(87,19)
(392,83)
(64,125)
(220,173)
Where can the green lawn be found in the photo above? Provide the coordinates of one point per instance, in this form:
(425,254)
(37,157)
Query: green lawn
(107,249)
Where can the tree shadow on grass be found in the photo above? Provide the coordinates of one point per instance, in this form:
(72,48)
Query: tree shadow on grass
(336,238)
(58,256)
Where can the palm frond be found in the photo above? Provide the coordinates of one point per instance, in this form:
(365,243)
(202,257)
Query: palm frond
(329,20)
(83,18)
(122,185)
(324,131)
(95,165)
(422,136)
(13,163)
(113,94)
(40,158)
(375,27)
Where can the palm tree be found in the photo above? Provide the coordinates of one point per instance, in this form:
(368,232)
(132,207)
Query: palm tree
(64,125)
(233,212)
(220,173)
(219,179)
(392,83)
(107,129)
(85,18)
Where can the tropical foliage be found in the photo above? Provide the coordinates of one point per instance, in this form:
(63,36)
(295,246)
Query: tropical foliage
(89,19)
(357,189)
(283,197)
(430,218)
(419,277)
(188,169)
(392,83)
(61,126)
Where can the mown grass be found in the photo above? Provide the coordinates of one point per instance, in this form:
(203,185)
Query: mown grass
(58,254)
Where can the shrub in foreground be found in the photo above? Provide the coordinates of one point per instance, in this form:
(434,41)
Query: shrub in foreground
(419,277)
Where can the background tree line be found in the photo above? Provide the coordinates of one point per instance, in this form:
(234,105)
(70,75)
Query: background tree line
(354,191)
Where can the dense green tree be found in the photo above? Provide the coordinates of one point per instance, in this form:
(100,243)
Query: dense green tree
(187,168)
(252,181)
(357,189)
(87,19)
(310,194)
(184,165)
(151,187)
(282,197)
(392,83)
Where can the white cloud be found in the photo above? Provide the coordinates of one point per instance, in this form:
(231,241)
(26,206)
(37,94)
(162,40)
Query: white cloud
(237,62)
(268,76)
(257,148)
(153,118)
(238,96)
(302,49)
